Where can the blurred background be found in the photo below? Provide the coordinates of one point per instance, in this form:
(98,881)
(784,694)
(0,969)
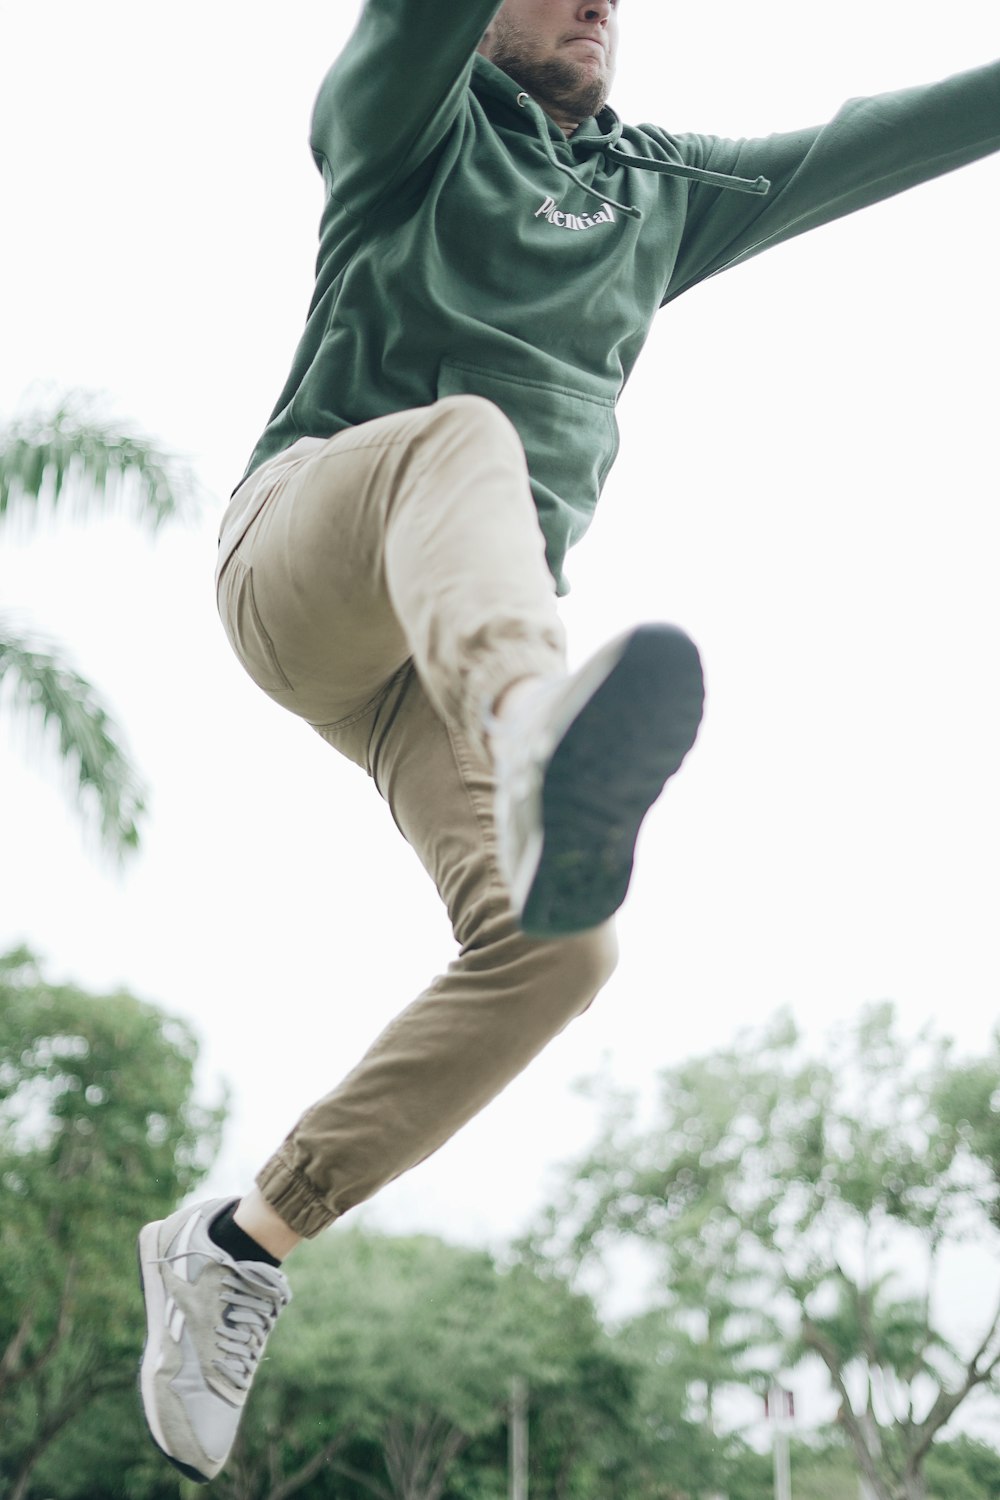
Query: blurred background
(829,538)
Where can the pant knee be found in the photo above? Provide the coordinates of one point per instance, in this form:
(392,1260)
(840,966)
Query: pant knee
(479,420)
(586,962)
(561,975)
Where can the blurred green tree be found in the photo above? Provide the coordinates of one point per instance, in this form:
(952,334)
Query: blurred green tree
(390,1376)
(98,1134)
(584,1428)
(824,1468)
(963,1469)
(796,1188)
(67,461)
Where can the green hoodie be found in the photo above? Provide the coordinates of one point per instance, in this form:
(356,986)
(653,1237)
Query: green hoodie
(468,246)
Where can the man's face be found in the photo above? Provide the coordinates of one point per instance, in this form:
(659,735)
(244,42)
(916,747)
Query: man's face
(561,52)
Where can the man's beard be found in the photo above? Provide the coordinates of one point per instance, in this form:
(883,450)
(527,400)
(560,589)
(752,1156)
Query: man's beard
(563,84)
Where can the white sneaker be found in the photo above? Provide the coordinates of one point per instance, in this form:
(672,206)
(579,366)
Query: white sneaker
(208,1318)
(579,765)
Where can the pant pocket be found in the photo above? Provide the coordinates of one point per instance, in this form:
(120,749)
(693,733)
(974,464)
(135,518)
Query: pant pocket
(245,629)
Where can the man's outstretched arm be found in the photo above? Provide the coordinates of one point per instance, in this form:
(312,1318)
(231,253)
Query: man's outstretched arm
(871,149)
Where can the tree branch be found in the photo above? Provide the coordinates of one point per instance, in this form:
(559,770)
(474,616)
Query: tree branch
(310,1468)
(948,1401)
(452,1446)
(13,1351)
(87,1387)
(815,1340)
(365,1480)
(9,1374)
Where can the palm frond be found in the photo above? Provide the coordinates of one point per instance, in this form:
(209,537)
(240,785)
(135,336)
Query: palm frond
(71,457)
(68,709)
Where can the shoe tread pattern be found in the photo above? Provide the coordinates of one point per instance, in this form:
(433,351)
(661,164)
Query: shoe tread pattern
(604,775)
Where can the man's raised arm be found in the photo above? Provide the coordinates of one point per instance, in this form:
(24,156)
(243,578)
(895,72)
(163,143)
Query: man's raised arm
(390,97)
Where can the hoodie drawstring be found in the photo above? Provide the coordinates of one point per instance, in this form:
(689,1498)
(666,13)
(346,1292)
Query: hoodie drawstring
(644,164)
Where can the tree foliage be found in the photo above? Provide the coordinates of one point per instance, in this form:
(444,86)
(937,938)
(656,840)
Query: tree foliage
(68,458)
(772,1180)
(395,1362)
(98,1134)
(67,708)
(824,1468)
(389,1377)
(70,461)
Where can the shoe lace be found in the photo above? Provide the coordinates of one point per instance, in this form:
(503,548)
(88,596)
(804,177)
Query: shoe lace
(251,1304)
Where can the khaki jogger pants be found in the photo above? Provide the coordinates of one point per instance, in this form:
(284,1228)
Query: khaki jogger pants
(386,585)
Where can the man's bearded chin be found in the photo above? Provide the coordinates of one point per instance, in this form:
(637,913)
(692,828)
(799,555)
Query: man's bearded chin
(564,84)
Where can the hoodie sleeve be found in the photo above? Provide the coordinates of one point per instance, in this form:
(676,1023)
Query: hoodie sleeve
(393,92)
(872,149)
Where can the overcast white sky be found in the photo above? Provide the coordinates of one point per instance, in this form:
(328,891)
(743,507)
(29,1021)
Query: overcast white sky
(807,483)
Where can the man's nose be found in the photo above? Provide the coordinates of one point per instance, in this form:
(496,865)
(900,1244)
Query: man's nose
(596,10)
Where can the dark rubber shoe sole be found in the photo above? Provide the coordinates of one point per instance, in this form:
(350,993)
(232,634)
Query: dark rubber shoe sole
(605,774)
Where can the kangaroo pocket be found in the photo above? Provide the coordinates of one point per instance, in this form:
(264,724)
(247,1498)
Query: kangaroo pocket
(570,438)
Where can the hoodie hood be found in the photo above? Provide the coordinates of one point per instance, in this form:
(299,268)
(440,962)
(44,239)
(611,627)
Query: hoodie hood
(597,135)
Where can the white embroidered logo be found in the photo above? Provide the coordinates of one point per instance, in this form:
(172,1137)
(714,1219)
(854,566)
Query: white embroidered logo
(560,220)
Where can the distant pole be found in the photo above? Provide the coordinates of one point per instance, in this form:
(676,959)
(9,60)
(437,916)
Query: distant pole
(779,1408)
(517,1443)
(782,1467)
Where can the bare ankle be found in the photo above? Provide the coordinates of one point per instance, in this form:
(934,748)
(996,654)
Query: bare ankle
(258,1219)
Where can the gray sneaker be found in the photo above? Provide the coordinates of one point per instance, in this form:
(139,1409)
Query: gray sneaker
(578,768)
(208,1317)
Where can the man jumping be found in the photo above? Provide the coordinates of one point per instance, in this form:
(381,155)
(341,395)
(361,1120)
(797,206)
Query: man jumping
(494,247)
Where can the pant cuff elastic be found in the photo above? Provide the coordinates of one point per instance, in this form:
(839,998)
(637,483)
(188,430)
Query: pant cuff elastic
(294,1198)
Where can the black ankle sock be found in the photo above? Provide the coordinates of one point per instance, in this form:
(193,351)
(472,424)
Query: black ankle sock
(228,1235)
